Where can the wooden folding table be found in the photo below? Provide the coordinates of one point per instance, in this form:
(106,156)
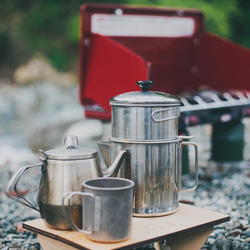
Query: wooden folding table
(188,228)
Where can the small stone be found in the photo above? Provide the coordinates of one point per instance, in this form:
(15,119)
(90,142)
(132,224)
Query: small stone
(211,241)
(204,247)
(235,245)
(219,242)
(236,232)
(244,224)
(219,231)
(227,244)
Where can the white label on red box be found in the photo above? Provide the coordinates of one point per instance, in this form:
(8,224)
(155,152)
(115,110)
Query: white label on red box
(142,25)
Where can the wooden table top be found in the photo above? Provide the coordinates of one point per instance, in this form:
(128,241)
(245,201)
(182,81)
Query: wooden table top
(144,230)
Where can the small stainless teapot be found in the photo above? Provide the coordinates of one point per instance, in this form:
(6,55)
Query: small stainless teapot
(64,170)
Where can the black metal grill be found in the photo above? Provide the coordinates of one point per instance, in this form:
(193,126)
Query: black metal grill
(212,106)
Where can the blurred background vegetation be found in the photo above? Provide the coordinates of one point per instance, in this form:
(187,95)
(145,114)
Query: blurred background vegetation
(51,27)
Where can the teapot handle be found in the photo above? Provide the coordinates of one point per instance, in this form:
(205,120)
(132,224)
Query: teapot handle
(14,182)
(179,189)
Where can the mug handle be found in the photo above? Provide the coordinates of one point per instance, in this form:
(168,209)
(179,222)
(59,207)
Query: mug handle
(92,206)
(179,189)
(14,182)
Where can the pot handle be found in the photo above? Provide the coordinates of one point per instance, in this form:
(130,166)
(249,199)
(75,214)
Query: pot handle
(167,118)
(91,212)
(179,189)
(14,182)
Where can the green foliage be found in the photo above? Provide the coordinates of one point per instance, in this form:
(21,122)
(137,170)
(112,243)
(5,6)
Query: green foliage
(51,27)
(3,45)
(241,24)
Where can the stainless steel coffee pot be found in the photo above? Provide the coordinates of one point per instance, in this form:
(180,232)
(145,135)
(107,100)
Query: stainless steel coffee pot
(145,123)
(63,170)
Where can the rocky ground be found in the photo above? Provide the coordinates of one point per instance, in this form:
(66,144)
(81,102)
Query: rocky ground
(38,115)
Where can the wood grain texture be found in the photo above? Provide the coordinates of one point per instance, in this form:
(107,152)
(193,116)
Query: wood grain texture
(187,219)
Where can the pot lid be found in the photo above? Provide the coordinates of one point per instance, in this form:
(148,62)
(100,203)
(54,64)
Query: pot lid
(145,97)
(71,151)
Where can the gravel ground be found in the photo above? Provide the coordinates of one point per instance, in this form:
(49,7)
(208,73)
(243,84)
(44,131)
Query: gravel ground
(223,187)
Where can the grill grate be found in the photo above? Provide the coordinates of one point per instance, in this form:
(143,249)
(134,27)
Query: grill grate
(213,106)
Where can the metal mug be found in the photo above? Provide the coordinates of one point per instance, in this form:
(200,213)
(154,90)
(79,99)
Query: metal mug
(106,209)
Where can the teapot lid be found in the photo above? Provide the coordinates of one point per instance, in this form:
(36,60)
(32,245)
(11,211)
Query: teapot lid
(71,151)
(145,97)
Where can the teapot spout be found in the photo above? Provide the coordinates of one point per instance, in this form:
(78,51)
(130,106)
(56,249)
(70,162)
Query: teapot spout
(105,151)
(112,171)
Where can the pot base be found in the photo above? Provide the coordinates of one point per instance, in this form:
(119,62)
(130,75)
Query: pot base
(150,213)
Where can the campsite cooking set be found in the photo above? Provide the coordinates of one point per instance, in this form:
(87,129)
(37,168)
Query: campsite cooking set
(143,155)
(143,175)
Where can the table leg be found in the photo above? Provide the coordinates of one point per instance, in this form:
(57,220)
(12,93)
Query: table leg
(189,241)
(52,244)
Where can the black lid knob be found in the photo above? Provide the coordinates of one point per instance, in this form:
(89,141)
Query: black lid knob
(144,85)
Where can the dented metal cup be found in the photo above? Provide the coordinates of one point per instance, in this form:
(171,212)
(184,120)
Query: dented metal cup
(107,205)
